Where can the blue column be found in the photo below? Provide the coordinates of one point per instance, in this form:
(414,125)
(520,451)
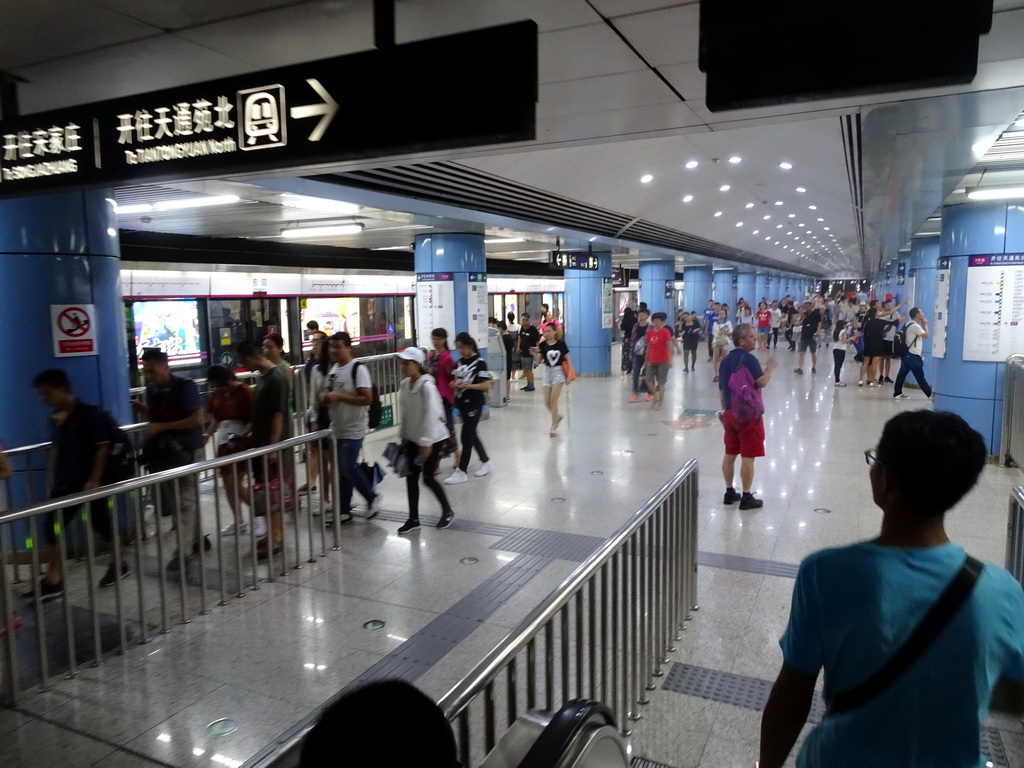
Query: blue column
(725,289)
(697,287)
(59,249)
(761,289)
(653,276)
(924,253)
(459,255)
(973,389)
(588,341)
(745,288)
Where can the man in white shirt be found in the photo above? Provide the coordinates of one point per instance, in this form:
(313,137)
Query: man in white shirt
(348,393)
(913,362)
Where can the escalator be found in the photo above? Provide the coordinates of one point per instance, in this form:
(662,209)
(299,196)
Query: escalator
(582,734)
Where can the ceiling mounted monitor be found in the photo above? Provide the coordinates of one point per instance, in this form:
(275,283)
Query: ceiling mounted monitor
(759,53)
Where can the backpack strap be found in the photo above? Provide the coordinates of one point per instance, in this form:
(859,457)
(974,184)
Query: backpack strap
(924,634)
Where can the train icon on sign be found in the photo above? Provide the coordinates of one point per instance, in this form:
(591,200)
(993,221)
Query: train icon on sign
(262,121)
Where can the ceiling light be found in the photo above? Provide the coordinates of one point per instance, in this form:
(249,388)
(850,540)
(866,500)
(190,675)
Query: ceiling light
(826,229)
(800,189)
(717,214)
(786,166)
(812,207)
(778,226)
(776,242)
(756,231)
(767,217)
(688,198)
(735,159)
(739,223)
(769,237)
(995,193)
(749,205)
(799,225)
(778,202)
(791,216)
(308,203)
(593,239)
(505,240)
(339,229)
(820,219)
(198,202)
(692,164)
(724,188)
(129,209)
(392,248)
(646,178)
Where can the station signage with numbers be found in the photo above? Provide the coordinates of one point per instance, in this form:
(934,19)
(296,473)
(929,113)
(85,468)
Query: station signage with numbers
(301,117)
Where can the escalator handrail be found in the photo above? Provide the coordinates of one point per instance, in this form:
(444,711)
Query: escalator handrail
(564,728)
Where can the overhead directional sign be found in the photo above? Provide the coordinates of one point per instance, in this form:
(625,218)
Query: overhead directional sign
(573,260)
(423,96)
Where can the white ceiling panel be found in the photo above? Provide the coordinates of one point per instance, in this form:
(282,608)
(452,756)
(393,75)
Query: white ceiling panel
(281,37)
(664,37)
(147,65)
(419,19)
(572,54)
(599,94)
(176,14)
(613,8)
(67,27)
(621,124)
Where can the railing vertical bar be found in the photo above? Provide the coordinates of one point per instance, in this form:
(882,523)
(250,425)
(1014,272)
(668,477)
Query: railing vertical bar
(531,674)
(90,577)
(512,683)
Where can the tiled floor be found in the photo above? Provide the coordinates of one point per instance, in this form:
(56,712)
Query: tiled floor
(266,661)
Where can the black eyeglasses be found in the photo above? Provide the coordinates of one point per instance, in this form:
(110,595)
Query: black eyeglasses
(871,457)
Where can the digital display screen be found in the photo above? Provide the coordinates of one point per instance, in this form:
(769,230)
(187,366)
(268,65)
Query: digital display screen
(173,326)
(573,260)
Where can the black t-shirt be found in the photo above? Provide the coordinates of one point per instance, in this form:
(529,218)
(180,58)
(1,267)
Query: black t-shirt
(553,354)
(271,398)
(528,338)
(472,370)
(76,439)
(691,336)
(811,323)
(178,401)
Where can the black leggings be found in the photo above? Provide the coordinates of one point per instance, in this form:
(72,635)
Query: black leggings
(470,438)
(775,338)
(690,356)
(428,470)
(839,355)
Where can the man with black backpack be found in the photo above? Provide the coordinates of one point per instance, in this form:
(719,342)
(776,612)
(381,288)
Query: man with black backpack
(907,345)
(355,410)
(174,438)
(89,450)
(744,436)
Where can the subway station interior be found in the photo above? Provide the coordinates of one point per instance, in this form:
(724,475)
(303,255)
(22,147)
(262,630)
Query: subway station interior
(188,177)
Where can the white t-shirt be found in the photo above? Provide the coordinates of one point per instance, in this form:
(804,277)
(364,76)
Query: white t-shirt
(776,317)
(890,331)
(721,333)
(913,335)
(349,422)
(513,330)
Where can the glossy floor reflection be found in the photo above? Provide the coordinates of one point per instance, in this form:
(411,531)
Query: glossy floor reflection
(268,659)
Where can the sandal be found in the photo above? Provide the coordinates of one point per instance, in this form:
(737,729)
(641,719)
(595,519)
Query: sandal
(840,383)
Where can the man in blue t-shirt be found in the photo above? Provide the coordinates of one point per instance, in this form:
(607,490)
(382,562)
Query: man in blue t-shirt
(742,438)
(854,607)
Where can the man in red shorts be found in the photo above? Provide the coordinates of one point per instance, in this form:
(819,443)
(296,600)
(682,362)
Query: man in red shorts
(745,439)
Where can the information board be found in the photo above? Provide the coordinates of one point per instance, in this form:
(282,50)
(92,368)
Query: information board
(994,322)
(435,305)
(938,324)
(476,306)
(607,302)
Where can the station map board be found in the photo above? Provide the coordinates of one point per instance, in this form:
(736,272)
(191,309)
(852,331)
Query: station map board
(994,321)
(435,306)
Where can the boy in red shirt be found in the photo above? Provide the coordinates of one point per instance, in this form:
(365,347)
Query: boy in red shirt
(659,358)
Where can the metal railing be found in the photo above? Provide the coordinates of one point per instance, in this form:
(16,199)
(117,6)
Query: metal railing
(1011,443)
(92,623)
(603,634)
(1015,535)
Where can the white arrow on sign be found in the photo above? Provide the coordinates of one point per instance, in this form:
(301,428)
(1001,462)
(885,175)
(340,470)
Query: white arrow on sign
(326,111)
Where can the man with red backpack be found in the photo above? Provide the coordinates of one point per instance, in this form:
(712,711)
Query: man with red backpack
(742,417)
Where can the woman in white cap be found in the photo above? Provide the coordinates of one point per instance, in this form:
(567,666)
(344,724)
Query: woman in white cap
(422,432)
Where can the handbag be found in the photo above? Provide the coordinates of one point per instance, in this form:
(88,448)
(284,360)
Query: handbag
(269,494)
(939,615)
(569,371)
(396,459)
(373,473)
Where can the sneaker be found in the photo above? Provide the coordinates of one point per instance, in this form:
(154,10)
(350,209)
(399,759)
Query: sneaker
(47,591)
(900,396)
(731,497)
(259,526)
(111,575)
(409,526)
(799,370)
(860,383)
(456,477)
(840,384)
(207,546)
(715,379)
(887,380)
(174,565)
(528,388)
(650,397)
(874,384)
(686,370)
(445,521)
(235,529)
(373,508)
(634,397)
(814,370)
(484,471)
(751,503)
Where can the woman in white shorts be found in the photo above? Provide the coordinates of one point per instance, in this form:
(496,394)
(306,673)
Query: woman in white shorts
(551,353)
(721,338)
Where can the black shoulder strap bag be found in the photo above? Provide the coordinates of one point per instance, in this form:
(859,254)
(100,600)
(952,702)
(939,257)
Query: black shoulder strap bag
(940,614)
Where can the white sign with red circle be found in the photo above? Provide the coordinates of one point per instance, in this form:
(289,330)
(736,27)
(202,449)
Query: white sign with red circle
(74,329)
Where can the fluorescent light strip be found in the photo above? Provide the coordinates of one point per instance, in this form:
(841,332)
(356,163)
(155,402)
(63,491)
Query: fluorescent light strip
(505,240)
(996,193)
(393,248)
(307,203)
(341,229)
(177,205)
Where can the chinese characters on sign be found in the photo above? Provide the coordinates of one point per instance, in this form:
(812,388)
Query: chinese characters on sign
(994,320)
(476,293)
(183,119)
(435,305)
(573,260)
(73,328)
(938,329)
(41,152)
(607,303)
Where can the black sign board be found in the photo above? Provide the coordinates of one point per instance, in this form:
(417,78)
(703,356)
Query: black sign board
(618,277)
(901,273)
(371,104)
(573,260)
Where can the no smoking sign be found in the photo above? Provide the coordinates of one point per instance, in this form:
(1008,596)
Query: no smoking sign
(73,327)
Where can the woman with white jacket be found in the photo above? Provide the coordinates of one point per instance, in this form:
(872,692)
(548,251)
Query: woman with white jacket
(423,431)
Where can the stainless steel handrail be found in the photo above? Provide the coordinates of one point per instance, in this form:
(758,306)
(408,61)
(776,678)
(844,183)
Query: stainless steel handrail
(1011,439)
(1015,535)
(615,617)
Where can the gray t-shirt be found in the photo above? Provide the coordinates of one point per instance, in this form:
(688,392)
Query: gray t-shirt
(349,422)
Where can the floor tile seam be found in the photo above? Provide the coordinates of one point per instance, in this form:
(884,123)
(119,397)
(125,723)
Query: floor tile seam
(114,746)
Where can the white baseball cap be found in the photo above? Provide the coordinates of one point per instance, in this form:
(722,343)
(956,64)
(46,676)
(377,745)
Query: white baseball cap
(412,353)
